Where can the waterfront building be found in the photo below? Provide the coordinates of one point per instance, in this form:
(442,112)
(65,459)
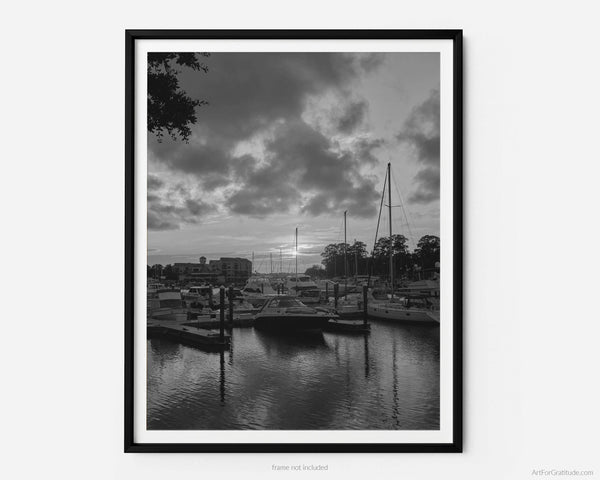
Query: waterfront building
(226,270)
(197,273)
(235,270)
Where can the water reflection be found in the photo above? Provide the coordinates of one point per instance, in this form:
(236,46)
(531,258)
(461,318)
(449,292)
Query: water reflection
(366,337)
(285,345)
(222,377)
(388,379)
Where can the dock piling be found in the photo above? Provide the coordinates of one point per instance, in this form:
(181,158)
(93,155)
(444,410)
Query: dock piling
(231,306)
(365,311)
(336,289)
(222,309)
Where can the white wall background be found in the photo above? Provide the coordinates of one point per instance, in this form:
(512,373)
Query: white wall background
(532,88)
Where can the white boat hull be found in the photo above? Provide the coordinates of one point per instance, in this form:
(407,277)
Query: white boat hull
(400,314)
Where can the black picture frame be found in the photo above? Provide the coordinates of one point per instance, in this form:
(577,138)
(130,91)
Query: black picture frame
(456,445)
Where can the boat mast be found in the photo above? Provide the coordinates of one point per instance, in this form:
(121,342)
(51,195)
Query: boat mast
(296,260)
(355,262)
(345,259)
(389,175)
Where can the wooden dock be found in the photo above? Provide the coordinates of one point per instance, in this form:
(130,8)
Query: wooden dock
(191,335)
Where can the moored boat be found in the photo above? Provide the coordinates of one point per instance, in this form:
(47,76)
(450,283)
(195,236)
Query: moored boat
(257,289)
(409,308)
(304,288)
(197,296)
(152,289)
(167,306)
(287,313)
(406,306)
(350,306)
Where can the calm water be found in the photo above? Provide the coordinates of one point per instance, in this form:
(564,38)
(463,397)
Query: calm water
(386,380)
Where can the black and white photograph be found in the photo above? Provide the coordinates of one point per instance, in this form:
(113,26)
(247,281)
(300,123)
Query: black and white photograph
(330,240)
(294,271)
(270,177)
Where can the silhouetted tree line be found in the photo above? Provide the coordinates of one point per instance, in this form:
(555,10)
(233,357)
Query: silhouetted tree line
(158,271)
(359,262)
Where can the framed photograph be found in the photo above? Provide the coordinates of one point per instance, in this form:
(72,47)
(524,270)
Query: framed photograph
(293,249)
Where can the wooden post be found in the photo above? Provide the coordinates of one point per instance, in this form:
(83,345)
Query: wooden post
(222,308)
(326,292)
(231,306)
(336,288)
(365,311)
(210,297)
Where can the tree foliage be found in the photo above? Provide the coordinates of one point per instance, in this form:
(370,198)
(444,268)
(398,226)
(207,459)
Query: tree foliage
(154,271)
(401,255)
(427,252)
(407,265)
(170,108)
(316,271)
(356,257)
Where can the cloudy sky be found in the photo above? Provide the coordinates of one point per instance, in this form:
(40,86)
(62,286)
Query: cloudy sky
(292,140)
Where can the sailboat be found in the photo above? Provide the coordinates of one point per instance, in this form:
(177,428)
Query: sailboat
(351,304)
(301,286)
(409,307)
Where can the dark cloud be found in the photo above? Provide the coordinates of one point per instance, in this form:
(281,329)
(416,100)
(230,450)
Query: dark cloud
(428,180)
(195,207)
(370,61)
(261,202)
(364,149)
(249,91)
(154,182)
(302,171)
(174,206)
(422,133)
(352,117)
(266,93)
(210,164)
(155,222)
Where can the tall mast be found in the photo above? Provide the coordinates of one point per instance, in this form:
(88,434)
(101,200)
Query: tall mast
(389,175)
(271,261)
(345,259)
(280,260)
(296,259)
(355,261)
